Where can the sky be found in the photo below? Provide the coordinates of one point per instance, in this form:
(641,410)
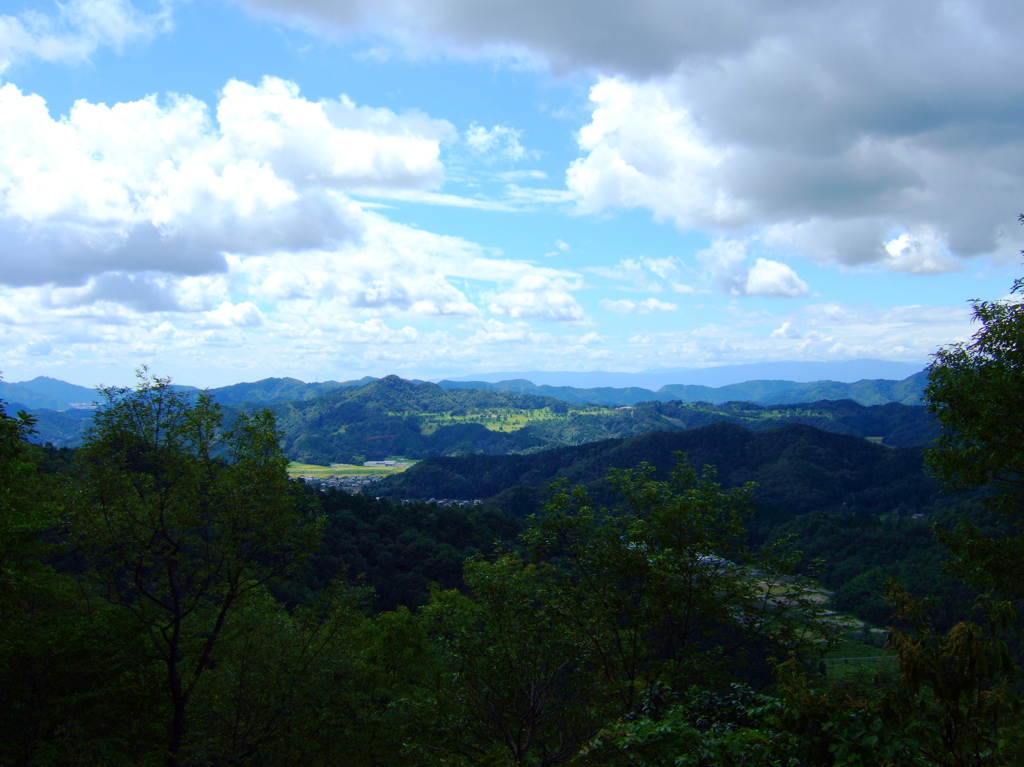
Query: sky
(327,189)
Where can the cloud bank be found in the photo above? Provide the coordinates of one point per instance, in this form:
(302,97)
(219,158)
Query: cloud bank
(855,134)
(146,186)
(852,133)
(165,227)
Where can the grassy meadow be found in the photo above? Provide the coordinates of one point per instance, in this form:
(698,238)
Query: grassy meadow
(501,419)
(341,470)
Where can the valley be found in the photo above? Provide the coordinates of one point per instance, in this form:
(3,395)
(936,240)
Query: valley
(299,470)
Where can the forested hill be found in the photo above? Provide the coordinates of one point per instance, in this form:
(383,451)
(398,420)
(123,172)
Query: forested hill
(892,424)
(798,469)
(392,417)
(279,390)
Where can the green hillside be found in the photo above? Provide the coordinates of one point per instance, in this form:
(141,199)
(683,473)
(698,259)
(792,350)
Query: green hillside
(392,417)
(864,510)
(798,469)
(277,390)
(395,417)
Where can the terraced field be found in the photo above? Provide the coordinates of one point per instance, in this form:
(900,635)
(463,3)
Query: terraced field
(342,470)
(858,657)
(501,419)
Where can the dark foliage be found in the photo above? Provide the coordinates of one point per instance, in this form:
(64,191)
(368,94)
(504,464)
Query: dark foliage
(798,469)
(855,554)
(399,550)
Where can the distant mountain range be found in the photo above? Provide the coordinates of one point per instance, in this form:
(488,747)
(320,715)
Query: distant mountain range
(49,393)
(389,417)
(867,392)
(52,394)
(848,371)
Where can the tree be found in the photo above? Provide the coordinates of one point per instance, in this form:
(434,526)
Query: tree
(180,521)
(664,588)
(66,671)
(511,682)
(953,702)
(617,605)
(941,700)
(976,392)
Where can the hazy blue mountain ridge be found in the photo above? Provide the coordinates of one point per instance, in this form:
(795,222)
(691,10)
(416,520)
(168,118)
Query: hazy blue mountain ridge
(847,371)
(866,392)
(53,394)
(50,393)
(20,398)
(62,390)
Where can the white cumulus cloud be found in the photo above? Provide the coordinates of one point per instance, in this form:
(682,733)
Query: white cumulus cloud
(619,306)
(228,315)
(654,305)
(648,305)
(923,252)
(787,331)
(642,150)
(150,186)
(77,30)
(537,295)
(500,142)
(771,278)
(727,266)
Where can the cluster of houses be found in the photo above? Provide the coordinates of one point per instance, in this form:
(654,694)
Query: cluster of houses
(352,484)
(355,483)
(444,502)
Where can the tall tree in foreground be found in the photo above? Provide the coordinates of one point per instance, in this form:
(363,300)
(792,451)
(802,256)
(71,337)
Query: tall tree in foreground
(954,700)
(180,521)
(976,392)
(71,691)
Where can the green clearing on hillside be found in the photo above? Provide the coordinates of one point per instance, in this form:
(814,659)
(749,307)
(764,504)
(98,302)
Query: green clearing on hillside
(501,419)
(341,470)
(853,649)
(854,656)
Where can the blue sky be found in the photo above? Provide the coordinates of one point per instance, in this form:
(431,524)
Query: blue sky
(232,190)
